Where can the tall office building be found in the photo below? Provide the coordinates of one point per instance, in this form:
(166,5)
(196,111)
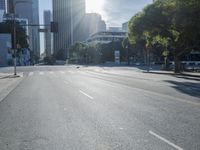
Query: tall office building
(125,26)
(47,35)
(28,9)
(3,4)
(94,24)
(69,16)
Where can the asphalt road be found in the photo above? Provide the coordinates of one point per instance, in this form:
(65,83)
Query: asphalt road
(93,108)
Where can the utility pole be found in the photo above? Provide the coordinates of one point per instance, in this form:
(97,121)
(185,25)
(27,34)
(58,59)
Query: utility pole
(14,34)
(14,40)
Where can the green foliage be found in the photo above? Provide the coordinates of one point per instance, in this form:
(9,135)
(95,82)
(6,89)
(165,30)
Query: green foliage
(60,54)
(21,37)
(95,54)
(172,24)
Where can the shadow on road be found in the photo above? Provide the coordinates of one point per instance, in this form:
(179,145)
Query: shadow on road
(180,75)
(189,88)
(9,77)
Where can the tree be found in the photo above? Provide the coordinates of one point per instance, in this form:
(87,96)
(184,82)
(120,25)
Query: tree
(173,24)
(187,28)
(21,37)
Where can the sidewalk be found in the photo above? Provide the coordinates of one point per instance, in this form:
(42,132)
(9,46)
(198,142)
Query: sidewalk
(189,74)
(8,82)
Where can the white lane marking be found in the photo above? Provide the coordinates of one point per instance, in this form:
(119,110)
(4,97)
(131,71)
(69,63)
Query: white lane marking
(86,94)
(51,72)
(166,141)
(41,73)
(30,74)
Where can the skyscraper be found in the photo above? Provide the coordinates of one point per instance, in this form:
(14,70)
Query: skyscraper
(3,4)
(47,35)
(28,9)
(69,16)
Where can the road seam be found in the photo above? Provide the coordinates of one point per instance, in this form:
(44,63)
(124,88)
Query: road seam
(165,140)
(86,94)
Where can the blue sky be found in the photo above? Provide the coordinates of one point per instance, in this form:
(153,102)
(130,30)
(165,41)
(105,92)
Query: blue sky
(114,12)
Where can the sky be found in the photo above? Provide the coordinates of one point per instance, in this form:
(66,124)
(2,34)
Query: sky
(114,12)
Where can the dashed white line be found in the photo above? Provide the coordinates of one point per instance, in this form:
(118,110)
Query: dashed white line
(86,94)
(51,72)
(165,140)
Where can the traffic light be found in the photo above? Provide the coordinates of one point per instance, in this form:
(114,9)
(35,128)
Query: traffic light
(54,27)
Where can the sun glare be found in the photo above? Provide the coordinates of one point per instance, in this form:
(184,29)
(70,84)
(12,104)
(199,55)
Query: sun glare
(94,6)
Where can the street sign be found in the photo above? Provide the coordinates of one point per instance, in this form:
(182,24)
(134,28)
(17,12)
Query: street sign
(43,30)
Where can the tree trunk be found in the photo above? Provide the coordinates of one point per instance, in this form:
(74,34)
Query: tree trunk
(177,65)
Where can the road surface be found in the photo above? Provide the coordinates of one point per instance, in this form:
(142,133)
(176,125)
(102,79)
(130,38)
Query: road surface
(93,108)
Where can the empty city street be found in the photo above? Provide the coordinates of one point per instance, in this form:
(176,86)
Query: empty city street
(100,108)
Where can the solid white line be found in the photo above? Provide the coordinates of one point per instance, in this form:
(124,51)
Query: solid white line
(86,94)
(31,73)
(166,141)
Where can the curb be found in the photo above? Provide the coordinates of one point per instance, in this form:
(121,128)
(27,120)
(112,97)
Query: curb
(5,92)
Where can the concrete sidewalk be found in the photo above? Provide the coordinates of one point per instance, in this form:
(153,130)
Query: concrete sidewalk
(8,82)
(189,74)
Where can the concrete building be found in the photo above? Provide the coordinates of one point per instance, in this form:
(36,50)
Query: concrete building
(78,13)
(101,26)
(125,27)
(1,15)
(94,23)
(5,57)
(115,29)
(47,35)
(69,15)
(106,37)
(29,9)
(3,5)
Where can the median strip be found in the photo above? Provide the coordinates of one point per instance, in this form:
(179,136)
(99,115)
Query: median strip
(165,140)
(86,94)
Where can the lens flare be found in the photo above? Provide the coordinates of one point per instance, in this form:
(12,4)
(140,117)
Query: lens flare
(94,6)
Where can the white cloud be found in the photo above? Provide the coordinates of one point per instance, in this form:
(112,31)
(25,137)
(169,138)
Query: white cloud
(116,12)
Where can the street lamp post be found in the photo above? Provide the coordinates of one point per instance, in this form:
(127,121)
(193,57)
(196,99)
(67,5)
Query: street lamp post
(14,40)
(14,34)
(127,55)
